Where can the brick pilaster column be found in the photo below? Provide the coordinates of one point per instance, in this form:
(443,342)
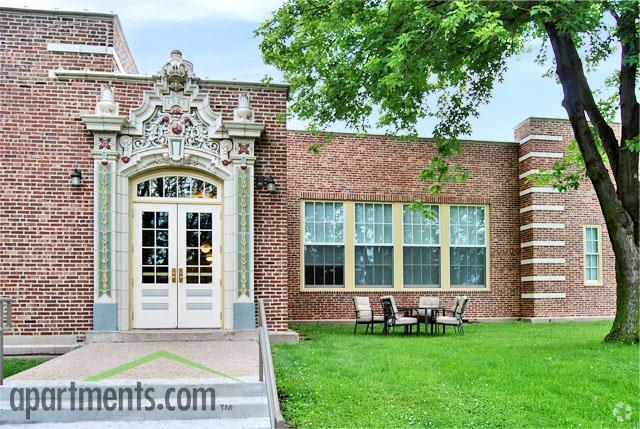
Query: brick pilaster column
(542,220)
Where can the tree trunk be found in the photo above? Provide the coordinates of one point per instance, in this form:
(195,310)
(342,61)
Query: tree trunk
(621,224)
(625,325)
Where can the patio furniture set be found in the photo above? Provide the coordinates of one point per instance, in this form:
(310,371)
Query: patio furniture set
(428,312)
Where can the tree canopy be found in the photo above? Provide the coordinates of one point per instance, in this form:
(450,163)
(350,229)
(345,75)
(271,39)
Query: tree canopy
(403,60)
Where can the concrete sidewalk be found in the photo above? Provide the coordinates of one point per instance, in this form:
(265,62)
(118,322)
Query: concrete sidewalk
(223,360)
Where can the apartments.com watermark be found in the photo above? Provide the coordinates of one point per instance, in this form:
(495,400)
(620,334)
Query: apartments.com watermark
(89,398)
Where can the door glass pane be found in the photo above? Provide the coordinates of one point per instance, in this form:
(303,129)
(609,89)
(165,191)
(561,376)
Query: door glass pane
(155,247)
(147,238)
(162,220)
(199,247)
(148,219)
(162,238)
(192,220)
(192,238)
(205,220)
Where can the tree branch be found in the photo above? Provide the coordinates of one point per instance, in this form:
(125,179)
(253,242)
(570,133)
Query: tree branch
(569,70)
(628,188)
(604,130)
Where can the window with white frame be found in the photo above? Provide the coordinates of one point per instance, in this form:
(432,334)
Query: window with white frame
(323,244)
(373,245)
(592,255)
(354,245)
(421,246)
(468,247)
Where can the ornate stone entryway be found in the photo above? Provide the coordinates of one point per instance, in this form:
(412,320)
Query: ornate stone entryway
(175,134)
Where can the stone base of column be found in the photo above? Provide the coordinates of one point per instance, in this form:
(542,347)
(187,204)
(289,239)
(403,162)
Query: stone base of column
(244,315)
(105,317)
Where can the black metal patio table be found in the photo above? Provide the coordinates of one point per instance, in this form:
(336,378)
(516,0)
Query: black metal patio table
(427,320)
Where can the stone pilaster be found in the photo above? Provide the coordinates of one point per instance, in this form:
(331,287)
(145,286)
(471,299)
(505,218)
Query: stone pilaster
(241,153)
(105,130)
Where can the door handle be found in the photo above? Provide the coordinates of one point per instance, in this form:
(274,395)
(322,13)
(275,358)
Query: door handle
(173,275)
(180,275)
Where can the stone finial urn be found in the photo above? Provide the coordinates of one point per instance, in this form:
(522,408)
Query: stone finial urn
(106,106)
(243,112)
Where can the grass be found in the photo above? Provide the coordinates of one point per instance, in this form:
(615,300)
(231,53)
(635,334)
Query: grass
(507,375)
(14,366)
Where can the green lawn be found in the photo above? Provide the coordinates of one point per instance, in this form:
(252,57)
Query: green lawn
(509,375)
(14,366)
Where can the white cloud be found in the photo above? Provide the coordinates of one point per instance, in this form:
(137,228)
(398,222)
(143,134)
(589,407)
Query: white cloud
(134,12)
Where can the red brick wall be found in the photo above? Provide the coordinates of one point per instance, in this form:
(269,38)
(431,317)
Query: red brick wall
(581,208)
(383,169)
(46,226)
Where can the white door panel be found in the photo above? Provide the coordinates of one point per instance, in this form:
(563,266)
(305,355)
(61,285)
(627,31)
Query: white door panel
(199,265)
(154,262)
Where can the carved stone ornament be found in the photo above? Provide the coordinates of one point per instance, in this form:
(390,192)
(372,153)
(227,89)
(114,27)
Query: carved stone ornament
(177,71)
(244,112)
(226,146)
(163,126)
(126,147)
(106,106)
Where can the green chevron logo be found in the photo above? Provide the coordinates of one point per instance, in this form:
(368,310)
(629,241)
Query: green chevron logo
(161,354)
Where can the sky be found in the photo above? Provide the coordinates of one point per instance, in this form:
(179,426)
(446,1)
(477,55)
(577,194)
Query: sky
(217,36)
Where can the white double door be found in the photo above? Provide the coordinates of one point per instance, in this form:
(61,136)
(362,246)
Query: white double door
(176,266)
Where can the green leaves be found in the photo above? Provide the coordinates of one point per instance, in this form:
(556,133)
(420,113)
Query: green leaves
(568,173)
(391,63)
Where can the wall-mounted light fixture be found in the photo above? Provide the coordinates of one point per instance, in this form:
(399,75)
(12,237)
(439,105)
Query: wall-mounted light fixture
(76,177)
(266,182)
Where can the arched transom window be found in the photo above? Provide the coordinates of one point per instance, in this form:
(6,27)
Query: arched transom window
(177,186)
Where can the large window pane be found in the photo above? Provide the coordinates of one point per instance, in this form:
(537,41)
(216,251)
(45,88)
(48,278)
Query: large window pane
(374,266)
(421,266)
(323,244)
(467,225)
(374,245)
(421,251)
(468,253)
(374,224)
(468,266)
(324,265)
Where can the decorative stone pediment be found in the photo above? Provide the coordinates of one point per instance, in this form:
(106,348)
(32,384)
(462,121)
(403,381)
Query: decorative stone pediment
(173,118)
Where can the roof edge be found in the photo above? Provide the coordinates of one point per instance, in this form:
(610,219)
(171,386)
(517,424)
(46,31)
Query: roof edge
(420,138)
(58,12)
(548,118)
(88,74)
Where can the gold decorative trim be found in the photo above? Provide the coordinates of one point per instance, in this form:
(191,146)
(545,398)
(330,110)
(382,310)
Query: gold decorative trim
(104,229)
(243,251)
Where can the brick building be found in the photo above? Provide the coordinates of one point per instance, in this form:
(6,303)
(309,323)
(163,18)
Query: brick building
(194,199)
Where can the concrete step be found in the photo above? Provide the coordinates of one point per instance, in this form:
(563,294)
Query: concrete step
(233,401)
(248,423)
(39,345)
(172,335)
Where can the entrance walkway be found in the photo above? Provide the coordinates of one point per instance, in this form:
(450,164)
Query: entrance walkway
(218,361)
(169,373)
